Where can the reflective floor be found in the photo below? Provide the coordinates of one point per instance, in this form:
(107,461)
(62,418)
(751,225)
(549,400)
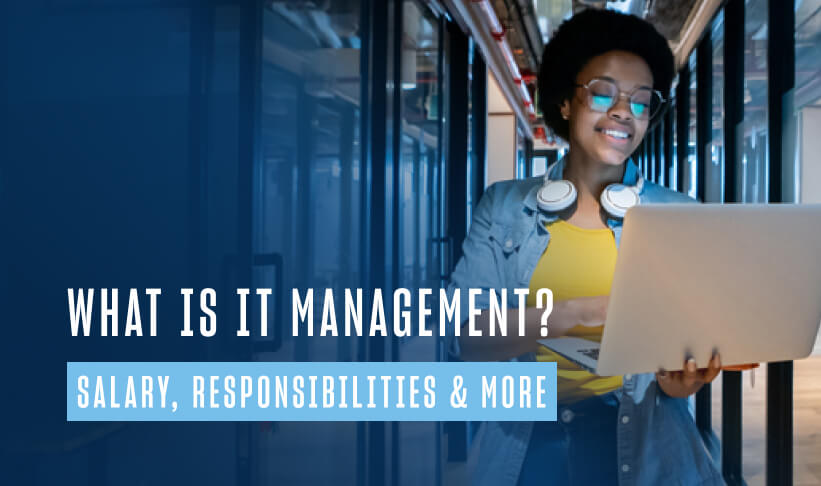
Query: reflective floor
(807,423)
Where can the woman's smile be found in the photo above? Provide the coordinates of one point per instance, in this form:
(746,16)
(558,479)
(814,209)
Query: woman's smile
(619,137)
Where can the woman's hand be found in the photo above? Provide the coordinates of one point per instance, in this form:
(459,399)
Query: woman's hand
(566,314)
(682,384)
(594,310)
(581,311)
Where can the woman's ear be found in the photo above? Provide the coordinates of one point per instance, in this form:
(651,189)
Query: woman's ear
(564,108)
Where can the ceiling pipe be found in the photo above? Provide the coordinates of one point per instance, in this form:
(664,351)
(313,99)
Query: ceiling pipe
(530,33)
(479,20)
(496,29)
(498,33)
(697,21)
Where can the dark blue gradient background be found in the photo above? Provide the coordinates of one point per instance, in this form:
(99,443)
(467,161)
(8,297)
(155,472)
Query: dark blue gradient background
(172,144)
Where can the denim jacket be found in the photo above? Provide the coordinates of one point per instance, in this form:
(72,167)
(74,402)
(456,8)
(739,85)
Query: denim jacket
(658,442)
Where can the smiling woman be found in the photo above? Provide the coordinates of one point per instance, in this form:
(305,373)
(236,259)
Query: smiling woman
(603,80)
(604,127)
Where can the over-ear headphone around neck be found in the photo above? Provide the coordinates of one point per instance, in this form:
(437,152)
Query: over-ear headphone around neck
(616,199)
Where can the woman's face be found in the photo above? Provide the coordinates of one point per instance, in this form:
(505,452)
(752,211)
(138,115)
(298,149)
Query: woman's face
(589,129)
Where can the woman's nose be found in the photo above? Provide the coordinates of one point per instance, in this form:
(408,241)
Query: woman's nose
(621,109)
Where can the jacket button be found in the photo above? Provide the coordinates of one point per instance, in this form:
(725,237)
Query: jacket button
(625,419)
(567,416)
(509,244)
(625,468)
(628,376)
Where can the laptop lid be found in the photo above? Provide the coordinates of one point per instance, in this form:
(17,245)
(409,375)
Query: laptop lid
(743,279)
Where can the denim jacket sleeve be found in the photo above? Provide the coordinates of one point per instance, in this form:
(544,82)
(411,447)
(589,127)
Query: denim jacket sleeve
(476,269)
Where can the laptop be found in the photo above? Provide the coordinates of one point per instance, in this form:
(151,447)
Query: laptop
(740,279)
(581,352)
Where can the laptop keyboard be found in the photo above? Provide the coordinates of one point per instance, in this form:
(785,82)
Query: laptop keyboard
(591,353)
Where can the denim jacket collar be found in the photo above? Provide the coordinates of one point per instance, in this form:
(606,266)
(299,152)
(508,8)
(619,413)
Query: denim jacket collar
(630,178)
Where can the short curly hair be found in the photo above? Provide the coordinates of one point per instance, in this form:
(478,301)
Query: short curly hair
(586,35)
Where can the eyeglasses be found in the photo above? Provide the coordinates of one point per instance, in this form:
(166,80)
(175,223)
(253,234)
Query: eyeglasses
(603,94)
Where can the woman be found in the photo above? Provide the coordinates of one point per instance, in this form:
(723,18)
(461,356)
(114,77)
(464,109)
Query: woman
(603,77)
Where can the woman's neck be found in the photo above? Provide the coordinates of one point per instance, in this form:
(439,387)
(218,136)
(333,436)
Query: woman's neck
(590,176)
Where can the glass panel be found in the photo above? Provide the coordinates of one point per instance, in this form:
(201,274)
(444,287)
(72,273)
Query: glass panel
(643,158)
(714,170)
(423,100)
(752,175)
(661,177)
(310,174)
(650,143)
(550,14)
(419,167)
(539,165)
(690,176)
(714,167)
(521,153)
(808,97)
(672,164)
(672,175)
(807,55)
(807,385)
(752,181)
(307,207)
(473,147)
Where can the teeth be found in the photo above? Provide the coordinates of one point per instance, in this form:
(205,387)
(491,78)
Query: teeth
(616,133)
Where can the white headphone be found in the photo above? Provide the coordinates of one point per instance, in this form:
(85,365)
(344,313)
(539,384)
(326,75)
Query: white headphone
(616,198)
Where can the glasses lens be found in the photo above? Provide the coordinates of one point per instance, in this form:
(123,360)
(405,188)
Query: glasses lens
(645,103)
(602,95)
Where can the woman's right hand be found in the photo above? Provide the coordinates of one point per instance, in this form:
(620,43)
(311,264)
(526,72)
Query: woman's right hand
(594,311)
(566,314)
(581,311)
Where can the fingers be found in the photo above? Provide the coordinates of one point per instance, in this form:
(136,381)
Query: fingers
(690,375)
(669,376)
(666,383)
(712,370)
(687,381)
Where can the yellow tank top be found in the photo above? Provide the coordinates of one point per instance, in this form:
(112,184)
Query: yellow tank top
(577,262)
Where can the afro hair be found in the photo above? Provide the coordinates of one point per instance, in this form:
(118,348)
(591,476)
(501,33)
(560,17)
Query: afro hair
(586,35)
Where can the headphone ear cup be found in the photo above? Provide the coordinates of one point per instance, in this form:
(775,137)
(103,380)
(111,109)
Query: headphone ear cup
(616,199)
(556,195)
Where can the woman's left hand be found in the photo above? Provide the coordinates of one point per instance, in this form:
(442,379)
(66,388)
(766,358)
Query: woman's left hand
(682,384)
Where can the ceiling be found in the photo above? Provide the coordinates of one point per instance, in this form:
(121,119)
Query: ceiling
(530,23)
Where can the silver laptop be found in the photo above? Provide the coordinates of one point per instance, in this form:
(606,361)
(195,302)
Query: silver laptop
(742,279)
(581,352)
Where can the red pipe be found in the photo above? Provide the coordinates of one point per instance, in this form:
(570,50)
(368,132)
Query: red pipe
(498,33)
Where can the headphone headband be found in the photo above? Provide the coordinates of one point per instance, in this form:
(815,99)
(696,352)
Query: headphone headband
(616,199)
(639,185)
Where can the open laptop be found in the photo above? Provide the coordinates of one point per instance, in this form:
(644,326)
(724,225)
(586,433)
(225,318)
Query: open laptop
(581,352)
(742,279)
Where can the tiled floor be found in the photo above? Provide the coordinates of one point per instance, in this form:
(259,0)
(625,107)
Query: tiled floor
(806,428)
(808,421)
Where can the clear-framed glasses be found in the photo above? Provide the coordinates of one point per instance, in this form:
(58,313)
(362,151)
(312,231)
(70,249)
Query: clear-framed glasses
(603,94)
